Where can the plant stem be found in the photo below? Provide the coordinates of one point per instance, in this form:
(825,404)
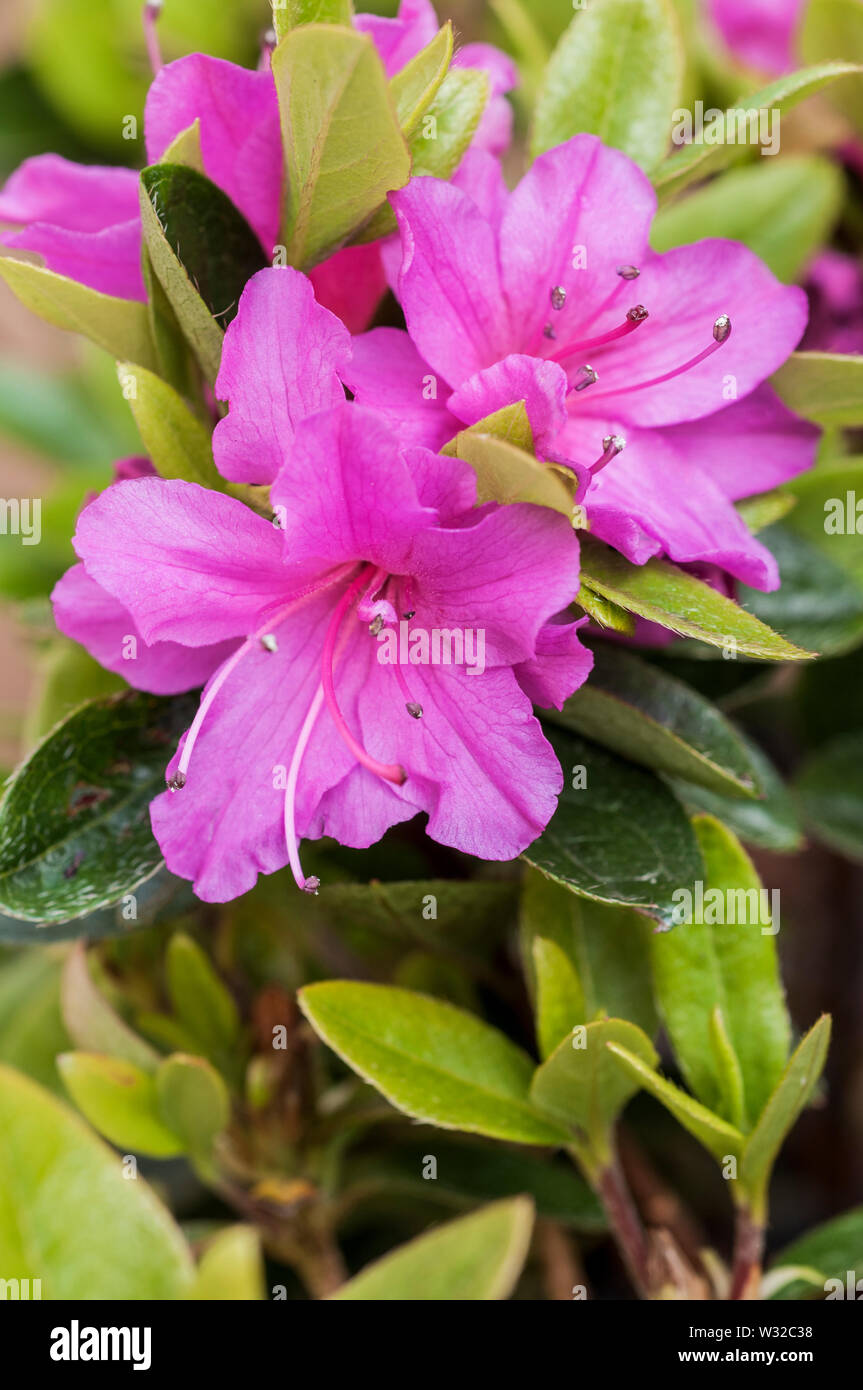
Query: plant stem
(625,1224)
(748,1254)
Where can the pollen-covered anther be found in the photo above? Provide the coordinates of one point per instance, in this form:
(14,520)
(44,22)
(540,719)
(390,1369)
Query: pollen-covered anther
(722,328)
(269,643)
(414,710)
(311,884)
(376,624)
(637,314)
(628,272)
(558,297)
(584,377)
(177,782)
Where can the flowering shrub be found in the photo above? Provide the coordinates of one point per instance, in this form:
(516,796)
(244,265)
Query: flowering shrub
(417,681)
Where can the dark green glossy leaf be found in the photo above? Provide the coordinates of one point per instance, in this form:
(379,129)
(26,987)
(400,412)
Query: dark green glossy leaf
(818,605)
(74,823)
(830,788)
(638,858)
(653,719)
(831,1249)
(772,822)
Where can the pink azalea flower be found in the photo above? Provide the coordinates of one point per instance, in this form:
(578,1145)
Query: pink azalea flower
(552,294)
(85,221)
(760,33)
(835,288)
(303,729)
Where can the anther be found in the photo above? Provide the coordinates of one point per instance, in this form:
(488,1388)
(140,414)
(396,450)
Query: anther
(411,613)
(637,314)
(612,445)
(414,710)
(548,332)
(177,782)
(584,377)
(311,884)
(558,297)
(634,318)
(722,328)
(628,272)
(376,624)
(269,643)
(721,334)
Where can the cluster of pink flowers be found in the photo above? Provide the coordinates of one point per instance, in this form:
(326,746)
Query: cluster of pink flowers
(644,374)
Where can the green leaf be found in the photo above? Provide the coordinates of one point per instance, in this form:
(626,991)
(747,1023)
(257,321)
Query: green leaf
(607,947)
(201,1002)
(415,86)
(185,148)
(826,387)
(175,439)
(436,148)
(654,719)
(231,1268)
(698,160)
(57,416)
(830,789)
(475,1259)
(617,73)
(470,1171)
(782,209)
(31,1025)
(69,677)
(132,1249)
(511,424)
(202,250)
(730,965)
(120,326)
(431,1060)
(159,897)
(764,509)
(818,601)
(832,1249)
(604,612)
(826,512)
(830,27)
(791,1096)
(94,1026)
(288,14)
(664,594)
(719,1138)
(559,996)
(192,1101)
(344,148)
(507,474)
(119,1099)
(582,1087)
(74,823)
(638,859)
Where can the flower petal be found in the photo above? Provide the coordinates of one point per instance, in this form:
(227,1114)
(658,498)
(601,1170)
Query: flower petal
(240,133)
(86,612)
(191,565)
(280,362)
(541,385)
(351,284)
(387,373)
(560,666)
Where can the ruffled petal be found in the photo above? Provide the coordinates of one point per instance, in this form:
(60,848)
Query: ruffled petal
(387,373)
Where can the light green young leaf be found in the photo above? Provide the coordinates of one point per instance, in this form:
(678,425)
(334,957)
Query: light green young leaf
(416,85)
(231,1268)
(506,473)
(720,1139)
(201,1002)
(511,424)
(31,1024)
(829,27)
(654,719)
(728,1073)
(132,1251)
(288,14)
(698,160)
(345,149)
(175,439)
(607,947)
(94,1026)
(119,1099)
(831,1249)
(665,594)
(617,73)
(732,965)
(826,387)
(782,209)
(477,1258)
(193,1101)
(582,1087)
(433,1061)
(559,996)
(185,148)
(120,326)
(791,1096)
(604,612)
